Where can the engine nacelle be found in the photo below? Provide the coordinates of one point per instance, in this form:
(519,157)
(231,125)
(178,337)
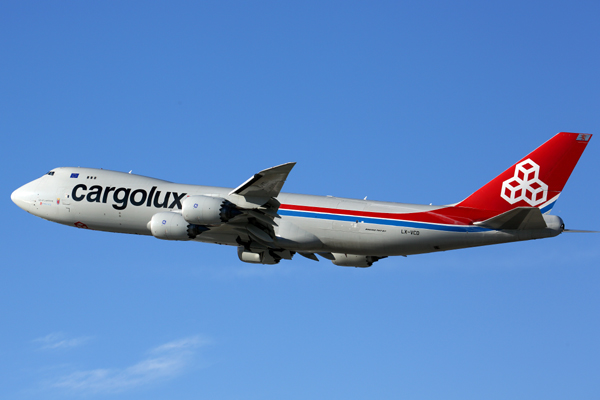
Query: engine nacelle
(263,257)
(169,226)
(353,260)
(207,210)
(202,210)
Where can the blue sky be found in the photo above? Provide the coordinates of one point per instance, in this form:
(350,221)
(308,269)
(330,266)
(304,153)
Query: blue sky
(419,102)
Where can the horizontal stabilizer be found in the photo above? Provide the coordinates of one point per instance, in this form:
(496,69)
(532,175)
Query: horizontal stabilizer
(521,218)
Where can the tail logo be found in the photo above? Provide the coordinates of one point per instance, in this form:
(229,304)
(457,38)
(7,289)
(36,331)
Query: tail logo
(525,185)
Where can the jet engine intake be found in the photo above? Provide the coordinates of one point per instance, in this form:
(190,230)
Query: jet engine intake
(208,211)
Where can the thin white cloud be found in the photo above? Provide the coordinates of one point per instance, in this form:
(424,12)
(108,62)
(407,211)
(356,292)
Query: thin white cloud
(165,362)
(59,340)
(185,343)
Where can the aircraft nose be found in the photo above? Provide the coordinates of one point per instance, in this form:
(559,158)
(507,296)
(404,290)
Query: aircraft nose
(24,196)
(16,195)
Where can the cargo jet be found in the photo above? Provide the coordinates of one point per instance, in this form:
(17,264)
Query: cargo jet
(267,226)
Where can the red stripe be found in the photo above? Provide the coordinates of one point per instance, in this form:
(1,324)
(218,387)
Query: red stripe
(446,215)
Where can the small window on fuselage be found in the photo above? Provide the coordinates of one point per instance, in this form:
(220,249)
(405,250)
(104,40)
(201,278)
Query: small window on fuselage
(51,173)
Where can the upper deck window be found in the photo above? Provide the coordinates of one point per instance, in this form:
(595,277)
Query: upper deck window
(51,173)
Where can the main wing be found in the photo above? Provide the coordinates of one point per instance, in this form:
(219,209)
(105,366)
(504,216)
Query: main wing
(253,209)
(264,185)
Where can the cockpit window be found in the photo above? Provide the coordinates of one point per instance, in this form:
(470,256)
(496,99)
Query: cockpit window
(51,173)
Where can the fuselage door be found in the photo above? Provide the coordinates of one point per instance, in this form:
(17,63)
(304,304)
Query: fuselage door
(63,197)
(349,224)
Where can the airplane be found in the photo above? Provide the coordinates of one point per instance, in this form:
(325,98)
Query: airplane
(268,226)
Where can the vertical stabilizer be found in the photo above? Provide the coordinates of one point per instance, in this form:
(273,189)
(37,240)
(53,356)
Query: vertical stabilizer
(536,180)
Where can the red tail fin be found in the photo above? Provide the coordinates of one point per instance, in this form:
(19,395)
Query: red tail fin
(536,180)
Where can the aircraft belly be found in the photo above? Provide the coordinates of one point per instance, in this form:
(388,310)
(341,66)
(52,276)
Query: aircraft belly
(104,218)
(384,240)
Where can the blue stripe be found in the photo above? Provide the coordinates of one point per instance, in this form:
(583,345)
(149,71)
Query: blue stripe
(390,222)
(548,207)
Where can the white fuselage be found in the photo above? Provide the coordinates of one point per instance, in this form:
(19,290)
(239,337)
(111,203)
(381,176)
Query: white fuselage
(120,202)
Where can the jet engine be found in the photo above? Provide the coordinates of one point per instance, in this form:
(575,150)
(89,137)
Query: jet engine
(353,260)
(208,211)
(171,226)
(264,257)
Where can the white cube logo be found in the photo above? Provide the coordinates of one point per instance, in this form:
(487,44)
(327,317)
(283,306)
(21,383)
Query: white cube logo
(525,185)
